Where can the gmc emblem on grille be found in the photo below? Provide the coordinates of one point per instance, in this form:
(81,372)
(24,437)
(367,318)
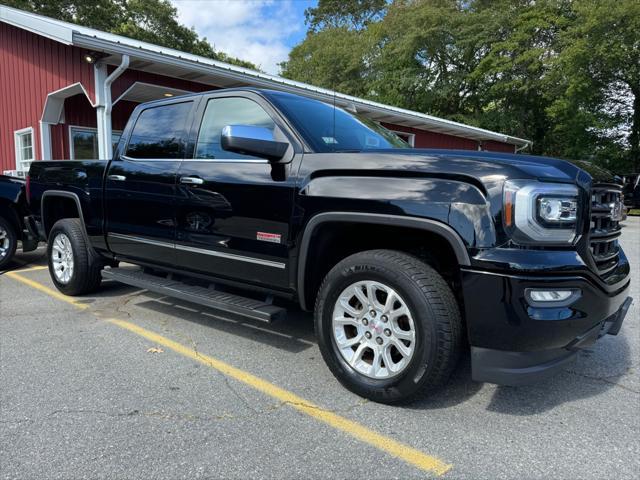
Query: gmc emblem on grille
(616,210)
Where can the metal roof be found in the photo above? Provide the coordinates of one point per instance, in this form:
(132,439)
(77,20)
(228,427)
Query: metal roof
(166,61)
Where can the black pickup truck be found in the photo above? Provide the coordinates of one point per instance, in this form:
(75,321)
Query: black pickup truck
(237,199)
(13,211)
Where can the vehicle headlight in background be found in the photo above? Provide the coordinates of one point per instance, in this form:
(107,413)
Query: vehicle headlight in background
(537,212)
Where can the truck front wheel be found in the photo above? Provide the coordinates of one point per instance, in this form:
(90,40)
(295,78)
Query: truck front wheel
(73,269)
(388,325)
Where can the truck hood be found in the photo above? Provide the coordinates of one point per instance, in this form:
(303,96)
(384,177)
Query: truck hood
(485,169)
(480,164)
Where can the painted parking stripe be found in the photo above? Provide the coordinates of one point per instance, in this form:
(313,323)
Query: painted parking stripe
(30,269)
(397,449)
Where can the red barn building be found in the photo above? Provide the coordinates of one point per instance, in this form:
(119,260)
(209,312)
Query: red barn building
(69,90)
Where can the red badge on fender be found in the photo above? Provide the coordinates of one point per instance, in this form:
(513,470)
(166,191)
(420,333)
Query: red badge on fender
(269,237)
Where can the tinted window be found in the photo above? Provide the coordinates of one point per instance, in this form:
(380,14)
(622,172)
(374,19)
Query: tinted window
(159,132)
(221,112)
(329,129)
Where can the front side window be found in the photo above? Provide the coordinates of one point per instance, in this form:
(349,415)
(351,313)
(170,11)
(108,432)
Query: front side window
(24,148)
(221,112)
(160,132)
(84,142)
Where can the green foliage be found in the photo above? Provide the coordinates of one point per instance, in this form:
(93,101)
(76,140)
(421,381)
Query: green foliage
(152,21)
(563,73)
(354,14)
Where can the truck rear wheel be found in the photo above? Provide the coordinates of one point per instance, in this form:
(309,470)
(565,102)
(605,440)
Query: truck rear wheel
(73,269)
(8,242)
(388,326)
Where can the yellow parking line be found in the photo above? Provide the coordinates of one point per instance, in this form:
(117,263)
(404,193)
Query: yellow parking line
(47,290)
(397,449)
(30,269)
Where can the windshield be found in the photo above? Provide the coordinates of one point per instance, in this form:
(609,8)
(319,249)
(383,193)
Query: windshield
(329,129)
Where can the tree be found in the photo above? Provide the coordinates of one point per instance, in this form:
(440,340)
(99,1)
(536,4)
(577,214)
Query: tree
(512,76)
(563,73)
(599,80)
(354,14)
(152,21)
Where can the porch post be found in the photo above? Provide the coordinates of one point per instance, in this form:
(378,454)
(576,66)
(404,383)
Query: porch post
(45,141)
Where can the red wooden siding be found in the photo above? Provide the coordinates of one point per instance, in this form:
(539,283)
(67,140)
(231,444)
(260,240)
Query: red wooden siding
(31,67)
(425,139)
(493,146)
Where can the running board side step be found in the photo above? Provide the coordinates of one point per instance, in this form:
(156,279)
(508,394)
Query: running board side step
(223,302)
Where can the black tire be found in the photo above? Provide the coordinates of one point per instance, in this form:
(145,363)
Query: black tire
(436,317)
(8,242)
(86,276)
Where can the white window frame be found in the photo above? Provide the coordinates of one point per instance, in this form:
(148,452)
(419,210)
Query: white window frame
(412,136)
(21,164)
(86,129)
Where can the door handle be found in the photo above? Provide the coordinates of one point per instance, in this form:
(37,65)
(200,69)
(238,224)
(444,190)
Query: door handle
(191,180)
(117,178)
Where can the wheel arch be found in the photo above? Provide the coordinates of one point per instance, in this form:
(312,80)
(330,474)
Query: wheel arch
(47,197)
(448,234)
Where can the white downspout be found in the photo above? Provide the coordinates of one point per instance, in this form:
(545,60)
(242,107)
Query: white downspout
(104,104)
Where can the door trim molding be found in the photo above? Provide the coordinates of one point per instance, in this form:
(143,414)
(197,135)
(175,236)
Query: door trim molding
(213,253)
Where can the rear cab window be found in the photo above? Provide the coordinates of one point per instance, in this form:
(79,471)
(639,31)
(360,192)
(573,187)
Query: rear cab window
(160,132)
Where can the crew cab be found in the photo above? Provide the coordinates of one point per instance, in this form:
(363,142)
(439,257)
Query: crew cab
(246,199)
(13,228)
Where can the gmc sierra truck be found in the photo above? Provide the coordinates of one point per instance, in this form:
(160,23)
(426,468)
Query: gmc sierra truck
(243,199)
(13,227)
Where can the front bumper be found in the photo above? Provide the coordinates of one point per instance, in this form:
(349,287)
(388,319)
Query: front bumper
(521,368)
(514,343)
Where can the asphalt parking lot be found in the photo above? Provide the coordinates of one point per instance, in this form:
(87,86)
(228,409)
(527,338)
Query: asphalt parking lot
(127,384)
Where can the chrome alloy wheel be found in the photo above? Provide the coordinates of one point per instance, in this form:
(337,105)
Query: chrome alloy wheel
(373,329)
(62,258)
(5,242)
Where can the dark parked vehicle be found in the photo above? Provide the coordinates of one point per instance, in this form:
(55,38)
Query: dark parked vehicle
(405,255)
(13,210)
(631,190)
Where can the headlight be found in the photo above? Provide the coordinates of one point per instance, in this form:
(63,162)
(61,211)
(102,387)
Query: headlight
(536,212)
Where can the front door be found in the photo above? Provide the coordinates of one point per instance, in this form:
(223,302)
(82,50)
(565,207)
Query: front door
(232,210)
(140,186)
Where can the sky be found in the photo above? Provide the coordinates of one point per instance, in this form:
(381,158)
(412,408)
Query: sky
(260,31)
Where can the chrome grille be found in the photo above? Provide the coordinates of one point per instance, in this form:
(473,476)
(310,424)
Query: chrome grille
(605,227)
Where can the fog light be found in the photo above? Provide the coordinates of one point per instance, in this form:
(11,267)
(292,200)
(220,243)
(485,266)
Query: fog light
(552,298)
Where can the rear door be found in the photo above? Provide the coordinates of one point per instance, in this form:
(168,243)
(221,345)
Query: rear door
(233,211)
(140,184)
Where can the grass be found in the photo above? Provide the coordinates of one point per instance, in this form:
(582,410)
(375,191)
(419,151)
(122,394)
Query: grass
(634,212)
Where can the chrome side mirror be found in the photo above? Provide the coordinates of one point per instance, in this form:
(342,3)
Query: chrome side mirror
(252,140)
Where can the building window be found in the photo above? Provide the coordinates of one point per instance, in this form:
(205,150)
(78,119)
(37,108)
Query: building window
(410,138)
(24,148)
(83,142)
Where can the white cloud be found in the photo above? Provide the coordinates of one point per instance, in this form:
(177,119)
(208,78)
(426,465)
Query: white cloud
(253,30)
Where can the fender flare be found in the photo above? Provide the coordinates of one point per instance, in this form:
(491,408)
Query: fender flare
(62,193)
(428,225)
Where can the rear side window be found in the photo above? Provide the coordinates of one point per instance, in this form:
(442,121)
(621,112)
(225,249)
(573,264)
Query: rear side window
(160,132)
(221,112)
